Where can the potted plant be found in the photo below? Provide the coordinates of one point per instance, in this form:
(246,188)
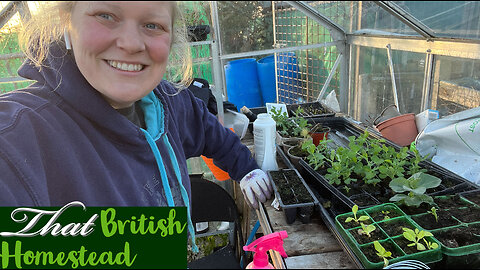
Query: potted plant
(293,194)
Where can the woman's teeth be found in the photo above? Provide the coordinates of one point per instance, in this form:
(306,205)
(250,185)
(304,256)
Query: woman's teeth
(125,66)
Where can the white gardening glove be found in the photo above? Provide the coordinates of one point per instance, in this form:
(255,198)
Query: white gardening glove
(256,185)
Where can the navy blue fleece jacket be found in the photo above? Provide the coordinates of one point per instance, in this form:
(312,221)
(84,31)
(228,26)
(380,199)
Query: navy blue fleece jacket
(60,141)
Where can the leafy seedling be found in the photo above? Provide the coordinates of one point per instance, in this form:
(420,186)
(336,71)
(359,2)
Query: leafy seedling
(357,220)
(430,245)
(433,211)
(386,212)
(415,186)
(366,229)
(416,236)
(382,252)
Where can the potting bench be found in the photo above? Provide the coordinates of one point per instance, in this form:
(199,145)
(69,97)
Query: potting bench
(310,245)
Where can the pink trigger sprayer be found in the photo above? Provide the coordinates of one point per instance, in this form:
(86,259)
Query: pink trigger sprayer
(262,245)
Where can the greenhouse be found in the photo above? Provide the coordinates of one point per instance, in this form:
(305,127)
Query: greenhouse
(390,88)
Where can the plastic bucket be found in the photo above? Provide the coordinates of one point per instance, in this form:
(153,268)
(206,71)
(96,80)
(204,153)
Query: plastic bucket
(288,78)
(266,79)
(242,83)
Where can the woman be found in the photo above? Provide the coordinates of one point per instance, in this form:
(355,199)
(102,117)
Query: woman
(99,125)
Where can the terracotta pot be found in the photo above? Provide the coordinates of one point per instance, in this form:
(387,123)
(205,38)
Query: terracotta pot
(401,129)
(320,135)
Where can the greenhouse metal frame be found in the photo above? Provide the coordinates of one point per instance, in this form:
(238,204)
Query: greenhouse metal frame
(345,48)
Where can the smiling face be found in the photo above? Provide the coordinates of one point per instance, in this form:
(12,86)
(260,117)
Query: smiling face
(122,48)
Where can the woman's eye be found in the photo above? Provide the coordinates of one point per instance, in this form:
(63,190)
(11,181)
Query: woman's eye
(152,26)
(105,16)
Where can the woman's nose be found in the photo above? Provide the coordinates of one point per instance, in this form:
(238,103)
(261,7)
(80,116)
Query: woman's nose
(130,39)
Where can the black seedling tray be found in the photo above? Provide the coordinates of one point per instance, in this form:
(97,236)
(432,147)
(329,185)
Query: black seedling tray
(341,129)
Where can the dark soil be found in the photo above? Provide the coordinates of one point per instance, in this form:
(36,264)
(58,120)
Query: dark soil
(349,192)
(428,222)
(449,182)
(363,200)
(353,224)
(371,253)
(459,236)
(474,197)
(467,215)
(297,151)
(384,214)
(452,201)
(290,187)
(436,189)
(403,244)
(377,234)
(413,210)
(394,227)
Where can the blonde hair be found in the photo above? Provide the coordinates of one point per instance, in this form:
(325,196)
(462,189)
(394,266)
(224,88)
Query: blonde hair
(47,27)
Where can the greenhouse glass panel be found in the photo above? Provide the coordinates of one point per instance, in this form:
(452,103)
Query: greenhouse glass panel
(456,85)
(372,86)
(302,73)
(458,19)
(362,15)
(245,26)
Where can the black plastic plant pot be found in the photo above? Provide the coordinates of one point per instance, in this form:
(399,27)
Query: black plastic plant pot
(293,194)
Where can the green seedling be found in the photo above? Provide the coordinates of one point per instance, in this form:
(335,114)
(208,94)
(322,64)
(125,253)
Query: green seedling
(415,186)
(366,229)
(386,212)
(357,220)
(382,252)
(433,211)
(430,245)
(416,236)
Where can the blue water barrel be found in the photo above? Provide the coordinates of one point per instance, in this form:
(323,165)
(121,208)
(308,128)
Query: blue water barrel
(289,84)
(242,83)
(266,79)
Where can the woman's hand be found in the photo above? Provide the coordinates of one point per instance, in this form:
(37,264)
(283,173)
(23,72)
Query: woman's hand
(256,185)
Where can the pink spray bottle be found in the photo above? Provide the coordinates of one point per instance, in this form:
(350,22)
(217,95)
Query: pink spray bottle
(262,245)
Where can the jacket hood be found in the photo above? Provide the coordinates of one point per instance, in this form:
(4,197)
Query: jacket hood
(61,74)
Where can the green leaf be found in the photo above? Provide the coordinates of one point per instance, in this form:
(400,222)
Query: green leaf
(355,209)
(362,218)
(398,197)
(428,181)
(409,234)
(379,247)
(397,184)
(420,246)
(349,219)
